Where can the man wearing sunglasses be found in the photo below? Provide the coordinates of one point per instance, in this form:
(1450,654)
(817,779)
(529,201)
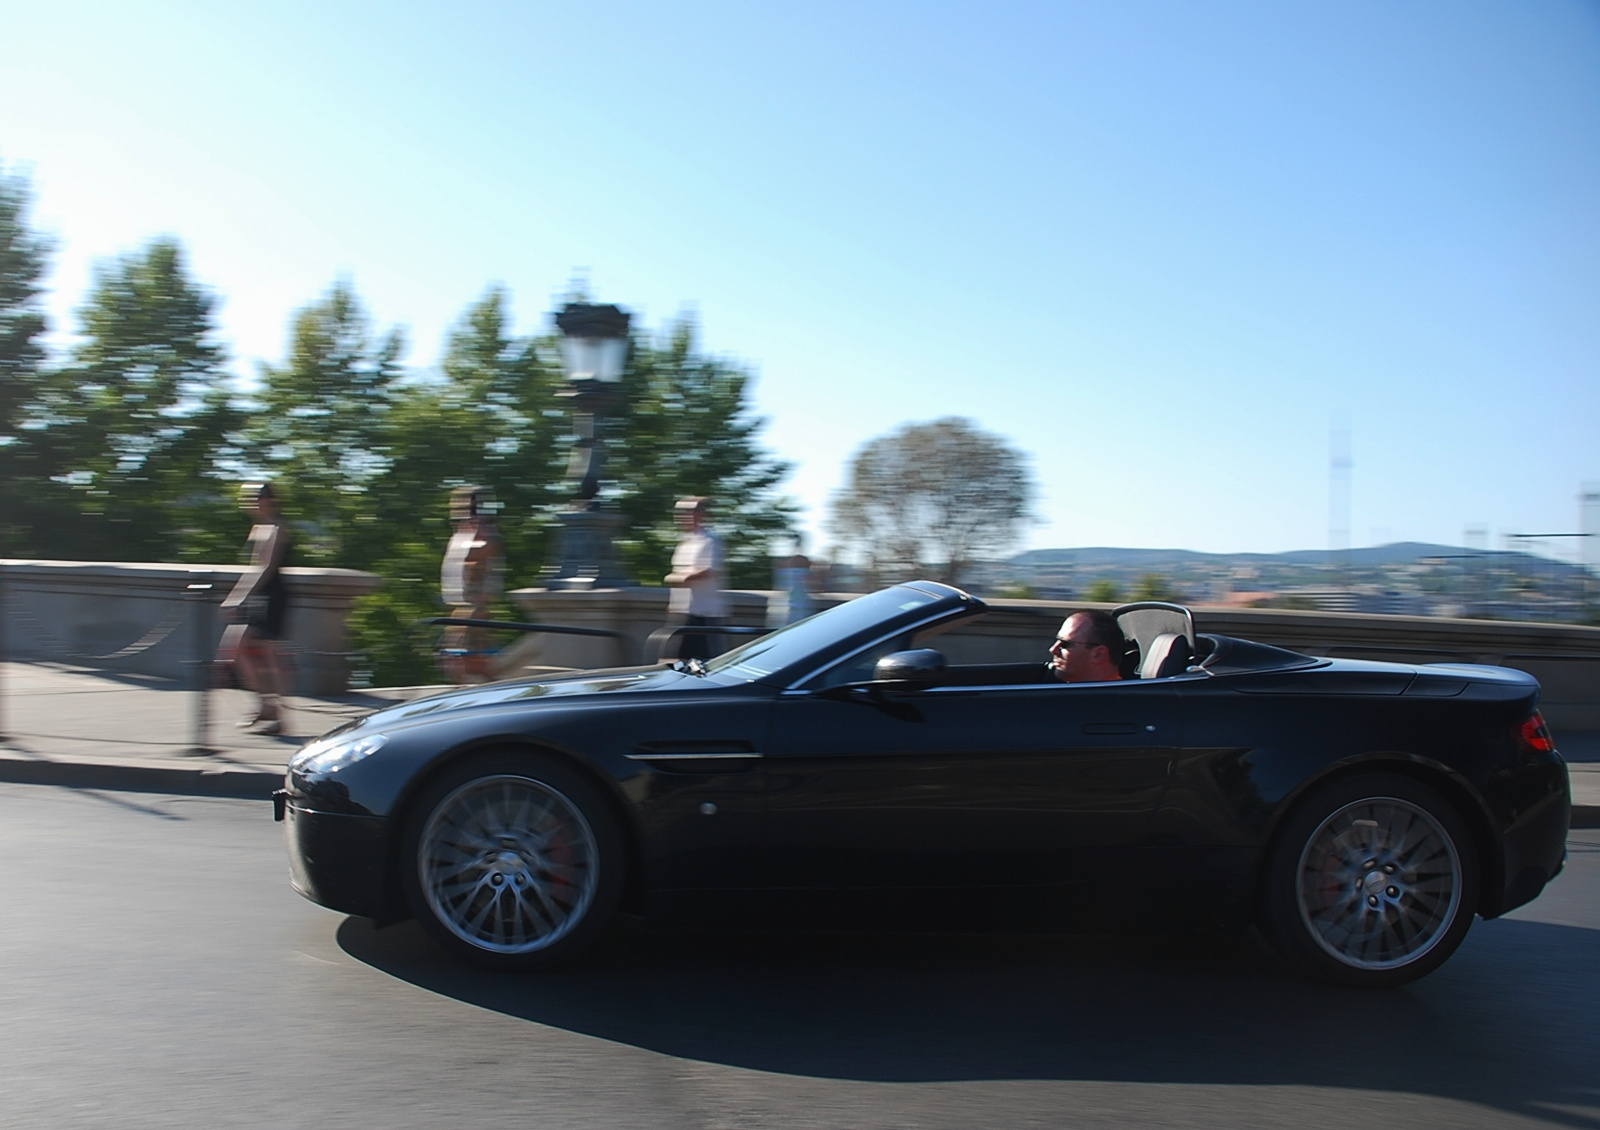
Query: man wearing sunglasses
(1088,649)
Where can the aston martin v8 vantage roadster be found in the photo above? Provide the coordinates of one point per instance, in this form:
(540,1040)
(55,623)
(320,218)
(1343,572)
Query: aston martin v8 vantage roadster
(839,770)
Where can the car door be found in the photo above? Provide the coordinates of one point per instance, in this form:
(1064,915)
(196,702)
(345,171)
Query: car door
(1044,785)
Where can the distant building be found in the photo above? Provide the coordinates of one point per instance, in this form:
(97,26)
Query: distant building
(1371,602)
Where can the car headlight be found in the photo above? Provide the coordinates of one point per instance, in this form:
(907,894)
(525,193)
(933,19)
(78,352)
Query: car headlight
(332,756)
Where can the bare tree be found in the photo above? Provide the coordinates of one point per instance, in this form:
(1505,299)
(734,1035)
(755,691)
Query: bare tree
(931,499)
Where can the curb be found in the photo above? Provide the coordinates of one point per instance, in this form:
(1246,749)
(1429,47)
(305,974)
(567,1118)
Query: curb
(1586,816)
(182,780)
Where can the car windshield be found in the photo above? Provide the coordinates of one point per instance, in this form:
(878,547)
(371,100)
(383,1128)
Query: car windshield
(804,638)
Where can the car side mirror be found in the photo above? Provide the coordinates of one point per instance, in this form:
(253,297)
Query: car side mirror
(910,670)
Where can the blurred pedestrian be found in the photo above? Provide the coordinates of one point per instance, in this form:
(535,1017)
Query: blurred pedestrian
(257,608)
(696,581)
(472,580)
(791,580)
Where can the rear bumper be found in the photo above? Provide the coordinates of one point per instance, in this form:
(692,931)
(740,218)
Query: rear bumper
(1535,844)
(340,861)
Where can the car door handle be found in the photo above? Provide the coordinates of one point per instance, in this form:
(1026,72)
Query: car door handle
(1111,727)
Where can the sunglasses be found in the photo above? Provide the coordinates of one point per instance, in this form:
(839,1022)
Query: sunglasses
(1068,645)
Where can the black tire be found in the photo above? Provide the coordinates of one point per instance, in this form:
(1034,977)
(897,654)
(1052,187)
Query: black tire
(512,861)
(1372,882)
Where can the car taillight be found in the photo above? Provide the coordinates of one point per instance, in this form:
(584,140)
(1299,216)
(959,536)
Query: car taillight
(1536,735)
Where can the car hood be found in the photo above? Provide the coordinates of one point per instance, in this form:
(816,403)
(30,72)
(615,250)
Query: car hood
(622,681)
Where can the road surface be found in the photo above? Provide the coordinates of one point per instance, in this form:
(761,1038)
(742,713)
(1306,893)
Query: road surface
(158,971)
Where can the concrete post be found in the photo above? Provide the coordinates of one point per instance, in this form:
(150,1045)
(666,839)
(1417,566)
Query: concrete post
(199,594)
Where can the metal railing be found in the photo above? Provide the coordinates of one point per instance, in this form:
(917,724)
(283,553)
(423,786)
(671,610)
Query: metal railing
(655,644)
(517,626)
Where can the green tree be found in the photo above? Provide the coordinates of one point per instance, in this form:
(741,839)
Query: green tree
(142,412)
(931,500)
(25,467)
(1104,591)
(491,420)
(323,427)
(1153,586)
(685,428)
(501,396)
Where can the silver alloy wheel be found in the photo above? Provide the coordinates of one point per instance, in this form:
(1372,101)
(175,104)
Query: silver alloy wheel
(1379,883)
(508,864)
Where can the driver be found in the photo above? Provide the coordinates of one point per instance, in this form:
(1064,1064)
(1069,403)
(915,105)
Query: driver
(1088,649)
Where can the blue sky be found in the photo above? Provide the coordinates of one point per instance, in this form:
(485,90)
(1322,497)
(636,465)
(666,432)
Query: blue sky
(1164,249)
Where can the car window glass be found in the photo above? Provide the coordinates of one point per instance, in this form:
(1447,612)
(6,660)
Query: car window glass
(857,668)
(792,644)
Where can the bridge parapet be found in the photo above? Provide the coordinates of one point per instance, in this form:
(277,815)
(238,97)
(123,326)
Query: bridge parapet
(136,617)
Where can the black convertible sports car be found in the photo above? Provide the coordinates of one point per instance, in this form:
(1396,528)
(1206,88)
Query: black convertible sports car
(838,770)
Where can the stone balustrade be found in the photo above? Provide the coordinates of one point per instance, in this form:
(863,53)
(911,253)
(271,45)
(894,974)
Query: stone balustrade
(137,619)
(140,618)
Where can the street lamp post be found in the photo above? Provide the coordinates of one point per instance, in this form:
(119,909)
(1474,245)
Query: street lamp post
(594,343)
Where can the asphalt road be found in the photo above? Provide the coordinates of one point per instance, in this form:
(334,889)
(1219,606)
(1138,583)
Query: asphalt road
(158,971)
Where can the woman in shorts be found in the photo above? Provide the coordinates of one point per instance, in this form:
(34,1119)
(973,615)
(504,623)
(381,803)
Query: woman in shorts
(257,606)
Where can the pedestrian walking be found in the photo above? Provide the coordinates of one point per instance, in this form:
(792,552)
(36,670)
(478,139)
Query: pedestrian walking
(257,608)
(471,580)
(696,581)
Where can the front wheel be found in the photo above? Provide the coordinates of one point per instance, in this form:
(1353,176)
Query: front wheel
(1372,882)
(512,861)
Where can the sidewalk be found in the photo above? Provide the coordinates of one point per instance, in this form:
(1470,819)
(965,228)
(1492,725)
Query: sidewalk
(71,726)
(64,725)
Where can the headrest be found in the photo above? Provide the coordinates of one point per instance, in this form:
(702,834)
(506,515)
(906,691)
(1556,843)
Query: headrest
(1128,663)
(1169,654)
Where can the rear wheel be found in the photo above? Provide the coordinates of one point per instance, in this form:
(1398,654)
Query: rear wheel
(512,861)
(1373,882)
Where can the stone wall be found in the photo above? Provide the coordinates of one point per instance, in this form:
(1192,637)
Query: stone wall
(141,619)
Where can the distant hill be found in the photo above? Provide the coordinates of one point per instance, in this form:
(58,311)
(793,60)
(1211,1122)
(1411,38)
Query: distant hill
(1396,553)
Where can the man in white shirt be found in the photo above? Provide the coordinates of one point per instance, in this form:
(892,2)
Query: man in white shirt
(696,581)
(471,580)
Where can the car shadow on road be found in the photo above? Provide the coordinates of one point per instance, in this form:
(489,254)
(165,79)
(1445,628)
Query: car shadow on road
(1509,1022)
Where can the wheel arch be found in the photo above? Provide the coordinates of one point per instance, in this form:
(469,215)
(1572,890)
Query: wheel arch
(1449,785)
(394,899)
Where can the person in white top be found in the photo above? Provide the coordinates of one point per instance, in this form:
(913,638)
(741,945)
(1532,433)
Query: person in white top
(696,580)
(471,580)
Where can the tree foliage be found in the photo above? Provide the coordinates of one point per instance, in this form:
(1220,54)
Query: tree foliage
(490,419)
(684,428)
(1153,586)
(931,500)
(135,421)
(323,428)
(24,468)
(1104,591)
(149,402)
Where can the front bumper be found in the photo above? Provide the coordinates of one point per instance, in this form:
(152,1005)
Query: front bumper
(339,860)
